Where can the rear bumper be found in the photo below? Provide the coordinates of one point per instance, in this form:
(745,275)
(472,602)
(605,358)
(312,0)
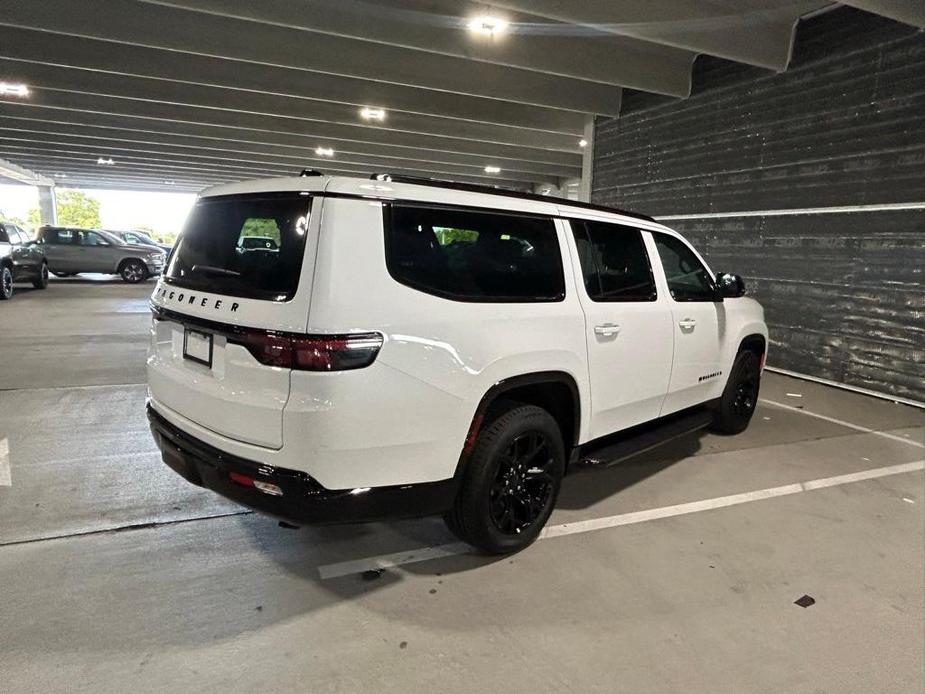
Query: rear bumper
(303,500)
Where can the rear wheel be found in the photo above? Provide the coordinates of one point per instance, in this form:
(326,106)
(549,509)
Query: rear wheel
(6,283)
(512,481)
(133,271)
(41,281)
(737,404)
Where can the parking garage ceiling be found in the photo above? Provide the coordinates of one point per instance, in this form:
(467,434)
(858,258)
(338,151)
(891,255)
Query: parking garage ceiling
(181,94)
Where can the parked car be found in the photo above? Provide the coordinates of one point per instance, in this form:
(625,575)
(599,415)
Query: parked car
(21,260)
(70,251)
(417,348)
(139,239)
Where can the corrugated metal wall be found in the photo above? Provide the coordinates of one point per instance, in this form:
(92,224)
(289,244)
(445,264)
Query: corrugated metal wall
(844,126)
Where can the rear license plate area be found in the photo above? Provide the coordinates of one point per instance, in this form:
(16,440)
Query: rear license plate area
(197,347)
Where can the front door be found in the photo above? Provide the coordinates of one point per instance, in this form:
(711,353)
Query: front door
(96,253)
(699,324)
(627,322)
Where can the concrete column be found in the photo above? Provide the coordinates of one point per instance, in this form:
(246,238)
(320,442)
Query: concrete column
(587,161)
(48,208)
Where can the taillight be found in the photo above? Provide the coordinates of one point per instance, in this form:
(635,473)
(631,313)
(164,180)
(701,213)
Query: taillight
(311,352)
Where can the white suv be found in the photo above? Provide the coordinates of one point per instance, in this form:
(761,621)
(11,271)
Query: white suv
(406,347)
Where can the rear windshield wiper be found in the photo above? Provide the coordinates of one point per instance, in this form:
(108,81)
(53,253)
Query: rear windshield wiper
(213,270)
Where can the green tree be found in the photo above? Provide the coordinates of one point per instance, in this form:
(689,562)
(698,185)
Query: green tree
(34,218)
(76,208)
(258,226)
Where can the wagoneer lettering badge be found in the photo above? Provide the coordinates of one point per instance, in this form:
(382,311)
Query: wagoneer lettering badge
(191,299)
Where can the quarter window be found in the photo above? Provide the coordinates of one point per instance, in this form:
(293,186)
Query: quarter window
(614,262)
(470,255)
(688,279)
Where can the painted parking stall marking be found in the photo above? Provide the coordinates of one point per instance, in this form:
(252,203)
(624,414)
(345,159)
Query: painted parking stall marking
(425,553)
(841,422)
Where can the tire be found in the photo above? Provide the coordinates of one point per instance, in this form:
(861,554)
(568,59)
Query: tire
(6,283)
(737,404)
(502,506)
(41,281)
(133,271)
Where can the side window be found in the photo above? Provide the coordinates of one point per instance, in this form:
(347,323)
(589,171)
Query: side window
(688,279)
(4,235)
(130,238)
(60,237)
(89,238)
(614,261)
(470,255)
(23,236)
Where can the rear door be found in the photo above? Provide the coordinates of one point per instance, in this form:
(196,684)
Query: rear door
(61,250)
(628,324)
(699,324)
(218,304)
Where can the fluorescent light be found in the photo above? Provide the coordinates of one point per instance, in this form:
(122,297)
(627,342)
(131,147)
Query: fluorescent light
(170,183)
(487,25)
(370,113)
(324,151)
(11,89)
(582,143)
(60,174)
(105,162)
(492,169)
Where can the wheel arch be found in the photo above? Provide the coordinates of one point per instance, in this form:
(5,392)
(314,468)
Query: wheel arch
(756,343)
(554,391)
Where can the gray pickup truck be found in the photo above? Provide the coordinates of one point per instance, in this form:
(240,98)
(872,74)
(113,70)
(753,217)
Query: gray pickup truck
(70,251)
(21,260)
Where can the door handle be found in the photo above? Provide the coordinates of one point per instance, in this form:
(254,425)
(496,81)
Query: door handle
(606,329)
(687,324)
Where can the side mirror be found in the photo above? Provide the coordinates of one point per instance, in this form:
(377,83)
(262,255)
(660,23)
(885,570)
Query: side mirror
(729,286)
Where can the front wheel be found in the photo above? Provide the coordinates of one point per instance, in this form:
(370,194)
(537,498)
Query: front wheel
(737,404)
(41,281)
(133,271)
(511,482)
(6,283)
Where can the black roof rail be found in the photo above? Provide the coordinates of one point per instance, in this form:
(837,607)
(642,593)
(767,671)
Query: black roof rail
(310,172)
(476,188)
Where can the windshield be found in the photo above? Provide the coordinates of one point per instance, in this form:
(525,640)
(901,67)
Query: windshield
(216,253)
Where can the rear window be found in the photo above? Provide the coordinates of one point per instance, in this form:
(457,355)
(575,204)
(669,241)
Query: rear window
(469,255)
(249,246)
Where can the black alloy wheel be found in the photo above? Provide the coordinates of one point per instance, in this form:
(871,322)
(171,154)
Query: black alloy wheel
(523,485)
(6,283)
(41,281)
(737,404)
(511,480)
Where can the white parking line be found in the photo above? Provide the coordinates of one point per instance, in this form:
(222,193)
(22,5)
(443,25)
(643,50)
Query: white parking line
(423,554)
(5,479)
(856,427)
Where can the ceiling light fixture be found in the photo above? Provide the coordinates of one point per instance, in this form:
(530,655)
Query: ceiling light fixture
(10,89)
(170,183)
(492,169)
(324,151)
(487,26)
(370,113)
(106,162)
(582,143)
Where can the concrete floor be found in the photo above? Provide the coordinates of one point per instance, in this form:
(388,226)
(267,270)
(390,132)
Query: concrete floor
(116,575)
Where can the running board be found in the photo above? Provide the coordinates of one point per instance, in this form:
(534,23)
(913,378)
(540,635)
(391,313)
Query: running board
(617,448)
